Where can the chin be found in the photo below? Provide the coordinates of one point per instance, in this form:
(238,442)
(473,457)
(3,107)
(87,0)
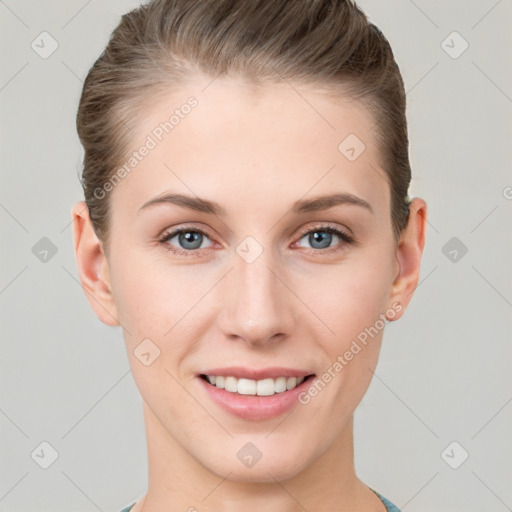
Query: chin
(271,466)
(262,473)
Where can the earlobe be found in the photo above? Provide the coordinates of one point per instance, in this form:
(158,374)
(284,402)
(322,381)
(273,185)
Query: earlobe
(408,254)
(92,266)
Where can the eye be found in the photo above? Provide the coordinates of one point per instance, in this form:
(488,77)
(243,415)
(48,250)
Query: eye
(190,239)
(321,237)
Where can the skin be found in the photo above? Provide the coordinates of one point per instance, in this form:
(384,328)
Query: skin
(295,306)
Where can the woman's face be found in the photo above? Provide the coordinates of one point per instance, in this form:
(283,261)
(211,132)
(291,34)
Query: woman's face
(260,285)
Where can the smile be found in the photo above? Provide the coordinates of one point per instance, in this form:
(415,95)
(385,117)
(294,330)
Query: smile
(255,394)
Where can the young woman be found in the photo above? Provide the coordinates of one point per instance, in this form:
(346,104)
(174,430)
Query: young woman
(247,223)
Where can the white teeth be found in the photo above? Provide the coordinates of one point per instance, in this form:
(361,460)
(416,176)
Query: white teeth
(264,387)
(231,384)
(291,382)
(246,386)
(280,385)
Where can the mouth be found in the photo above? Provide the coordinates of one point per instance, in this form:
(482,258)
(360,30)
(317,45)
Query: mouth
(255,400)
(255,395)
(251,387)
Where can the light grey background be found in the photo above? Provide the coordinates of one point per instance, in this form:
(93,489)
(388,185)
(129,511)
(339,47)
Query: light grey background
(444,370)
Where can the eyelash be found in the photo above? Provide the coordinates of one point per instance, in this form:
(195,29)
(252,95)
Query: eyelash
(347,239)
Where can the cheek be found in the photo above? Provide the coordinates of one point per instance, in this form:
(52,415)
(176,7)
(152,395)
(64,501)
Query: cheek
(152,296)
(155,307)
(354,307)
(160,302)
(354,298)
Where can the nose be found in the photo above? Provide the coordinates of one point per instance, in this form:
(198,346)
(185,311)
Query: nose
(255,304)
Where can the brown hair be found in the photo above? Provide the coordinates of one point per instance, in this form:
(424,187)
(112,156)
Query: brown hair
(163,44)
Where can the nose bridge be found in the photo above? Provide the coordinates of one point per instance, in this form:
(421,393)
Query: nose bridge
(259,305)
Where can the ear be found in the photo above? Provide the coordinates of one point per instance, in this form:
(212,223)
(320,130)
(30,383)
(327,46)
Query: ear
(93,266)
(408,254)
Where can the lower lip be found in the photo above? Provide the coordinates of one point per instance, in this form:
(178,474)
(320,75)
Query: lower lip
(253,407)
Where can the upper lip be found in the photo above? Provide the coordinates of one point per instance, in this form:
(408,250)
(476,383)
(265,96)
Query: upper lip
(241,372)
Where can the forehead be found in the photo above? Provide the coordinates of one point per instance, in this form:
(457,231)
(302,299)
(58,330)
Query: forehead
(276,142)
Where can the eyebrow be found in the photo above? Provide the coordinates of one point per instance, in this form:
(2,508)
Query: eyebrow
(319,203)
(328,201)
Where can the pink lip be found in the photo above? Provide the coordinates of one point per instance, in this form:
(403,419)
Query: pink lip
(252,373)
(253,407)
